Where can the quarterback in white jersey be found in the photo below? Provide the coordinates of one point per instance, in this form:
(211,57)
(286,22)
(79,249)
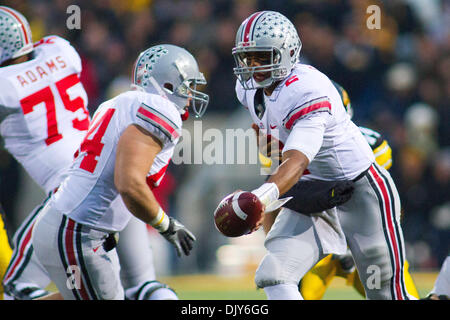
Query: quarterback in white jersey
(128,145)
(299,106)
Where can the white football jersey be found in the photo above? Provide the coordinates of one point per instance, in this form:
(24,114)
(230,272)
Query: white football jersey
(87,192)
(43,110)
(305,94)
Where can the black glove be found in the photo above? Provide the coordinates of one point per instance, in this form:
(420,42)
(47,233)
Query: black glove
(317,195)
(180,237)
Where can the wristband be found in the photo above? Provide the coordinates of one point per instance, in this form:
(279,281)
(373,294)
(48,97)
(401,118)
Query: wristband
(267,193)
(161,222)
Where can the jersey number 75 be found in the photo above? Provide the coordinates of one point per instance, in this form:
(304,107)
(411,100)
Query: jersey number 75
(47,97)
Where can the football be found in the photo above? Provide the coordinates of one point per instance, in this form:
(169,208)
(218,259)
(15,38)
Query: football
(237,214)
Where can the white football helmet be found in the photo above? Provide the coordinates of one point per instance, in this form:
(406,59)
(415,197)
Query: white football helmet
(266,32)
(15,34)
(171,71)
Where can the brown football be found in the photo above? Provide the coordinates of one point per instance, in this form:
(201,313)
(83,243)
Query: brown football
(237,214)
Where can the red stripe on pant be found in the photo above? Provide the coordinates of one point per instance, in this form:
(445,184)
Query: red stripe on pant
(71,257)
(23,246)
(388,204)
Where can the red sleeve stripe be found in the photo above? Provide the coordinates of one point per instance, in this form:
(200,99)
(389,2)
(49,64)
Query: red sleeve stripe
(316,105)
(154,117)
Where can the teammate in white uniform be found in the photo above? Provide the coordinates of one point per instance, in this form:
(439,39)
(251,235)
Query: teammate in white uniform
(129,143)
(43,121)
(299,106)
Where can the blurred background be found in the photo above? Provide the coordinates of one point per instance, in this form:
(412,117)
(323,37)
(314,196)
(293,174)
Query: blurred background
(398,79)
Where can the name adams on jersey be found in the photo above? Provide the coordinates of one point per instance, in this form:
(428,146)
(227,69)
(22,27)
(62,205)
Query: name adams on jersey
(45,87)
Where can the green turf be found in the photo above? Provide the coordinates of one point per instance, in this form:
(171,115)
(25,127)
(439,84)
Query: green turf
(210,287)
(331,294)
(200,291)
(221,295)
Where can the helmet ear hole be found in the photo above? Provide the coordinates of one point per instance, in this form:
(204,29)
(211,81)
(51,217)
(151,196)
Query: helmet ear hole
(168,86)
(292,52)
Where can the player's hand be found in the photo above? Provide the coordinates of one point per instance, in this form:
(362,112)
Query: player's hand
(256,129)
(341,193)
(259,223)
(180,237)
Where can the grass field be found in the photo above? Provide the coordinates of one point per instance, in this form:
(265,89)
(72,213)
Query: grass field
(213,287)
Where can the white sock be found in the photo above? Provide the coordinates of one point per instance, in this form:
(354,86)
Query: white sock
(284,291)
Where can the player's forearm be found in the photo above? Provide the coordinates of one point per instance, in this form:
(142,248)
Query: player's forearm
(135,154)
(289,171)
(138,198)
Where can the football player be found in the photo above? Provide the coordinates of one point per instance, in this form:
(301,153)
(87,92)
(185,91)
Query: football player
(44,118)
(314,284)
(129,144)
(299,106)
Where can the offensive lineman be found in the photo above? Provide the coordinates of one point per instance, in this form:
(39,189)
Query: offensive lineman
(315,282)
(130,136)
(299,106)
(44,119)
